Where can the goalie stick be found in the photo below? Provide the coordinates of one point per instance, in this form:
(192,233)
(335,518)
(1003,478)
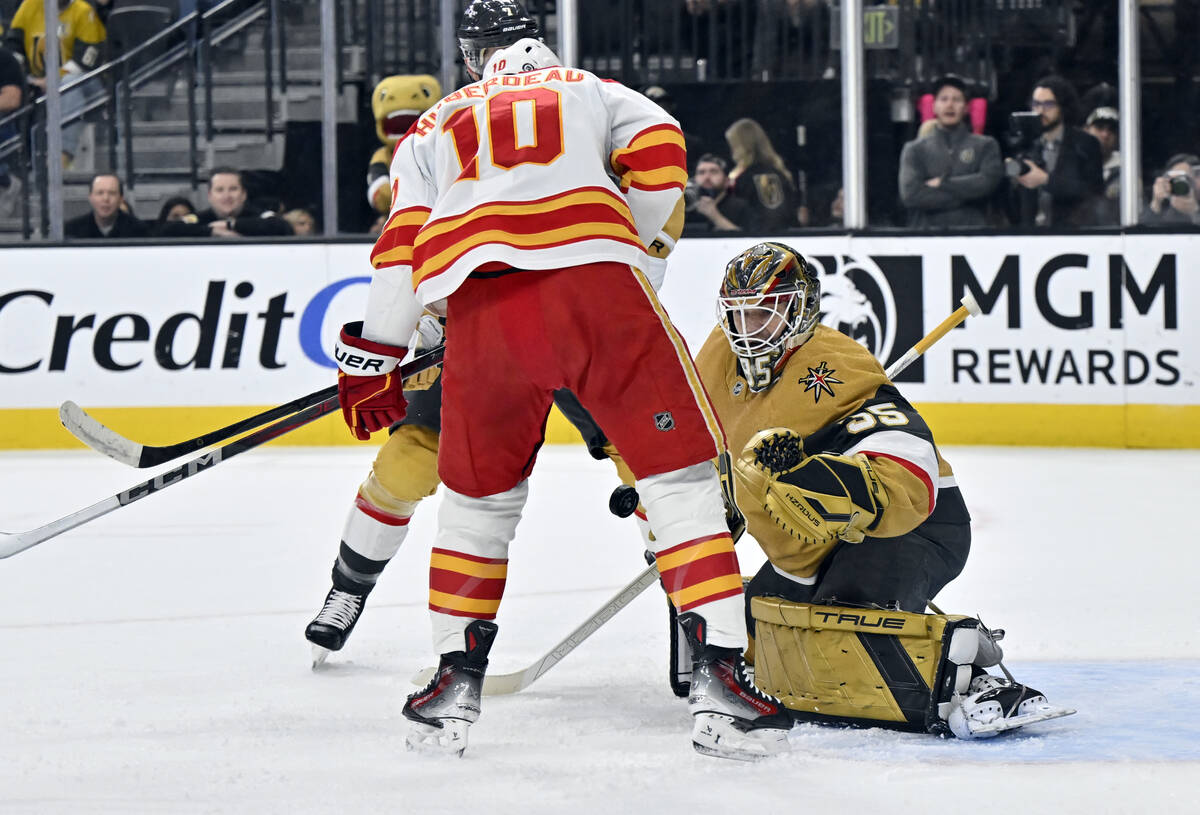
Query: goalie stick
(13,542)
(104,439)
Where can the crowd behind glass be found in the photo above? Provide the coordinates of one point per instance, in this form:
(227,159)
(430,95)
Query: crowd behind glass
(1054,165)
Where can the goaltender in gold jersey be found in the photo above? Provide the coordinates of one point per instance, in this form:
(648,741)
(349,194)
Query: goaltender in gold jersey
(843,487)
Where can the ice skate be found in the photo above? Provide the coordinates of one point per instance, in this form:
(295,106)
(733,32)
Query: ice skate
(994,704)
(443,710)
(330,629)
(731,717)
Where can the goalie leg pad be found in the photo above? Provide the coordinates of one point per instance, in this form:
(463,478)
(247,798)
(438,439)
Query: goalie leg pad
(867,667)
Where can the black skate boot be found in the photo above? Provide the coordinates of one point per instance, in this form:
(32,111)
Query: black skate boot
(330,629)
(994,704)
(442,711)
(732,718)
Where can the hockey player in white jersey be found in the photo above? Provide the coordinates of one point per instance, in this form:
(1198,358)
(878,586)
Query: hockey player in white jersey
(506,219)
(405,470)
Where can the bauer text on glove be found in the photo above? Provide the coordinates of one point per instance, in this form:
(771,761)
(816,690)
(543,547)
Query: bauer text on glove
(369,385)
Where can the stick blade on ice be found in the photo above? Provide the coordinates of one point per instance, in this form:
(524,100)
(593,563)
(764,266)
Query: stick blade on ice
(98,437)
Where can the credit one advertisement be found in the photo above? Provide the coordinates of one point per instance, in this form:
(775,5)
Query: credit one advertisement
(1104,321)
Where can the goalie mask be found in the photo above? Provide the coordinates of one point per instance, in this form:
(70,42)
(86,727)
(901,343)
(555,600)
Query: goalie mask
(492,24)
(769,303)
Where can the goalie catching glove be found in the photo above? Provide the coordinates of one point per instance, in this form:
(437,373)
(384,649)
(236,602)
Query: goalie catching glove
(816,499)
(369,384)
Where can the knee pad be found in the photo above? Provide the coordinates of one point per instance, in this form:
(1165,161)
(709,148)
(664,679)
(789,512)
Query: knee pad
(866,667)
(683,504)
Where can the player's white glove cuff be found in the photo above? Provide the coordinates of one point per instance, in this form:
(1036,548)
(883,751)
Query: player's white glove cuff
(358,357)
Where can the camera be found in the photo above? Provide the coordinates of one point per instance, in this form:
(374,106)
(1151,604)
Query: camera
(1181,185)
(1024,129)
(692,193)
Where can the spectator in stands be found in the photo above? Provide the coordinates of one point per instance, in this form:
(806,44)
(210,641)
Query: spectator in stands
(1057,184)
(228,215)
(302,221)
(760,178)
(1103,124)
(947,178)
(107,219)
(12,94)
(175,208)
(710,205)
(1175,196)
(81,42)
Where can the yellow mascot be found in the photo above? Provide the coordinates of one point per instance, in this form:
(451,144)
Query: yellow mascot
(397,102)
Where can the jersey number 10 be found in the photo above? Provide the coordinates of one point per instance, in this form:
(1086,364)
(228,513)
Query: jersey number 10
(512,117)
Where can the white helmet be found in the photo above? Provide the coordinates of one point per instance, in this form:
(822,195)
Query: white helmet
(523,55)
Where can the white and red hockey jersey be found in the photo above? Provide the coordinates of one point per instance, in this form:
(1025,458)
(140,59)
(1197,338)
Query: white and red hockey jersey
(537,169)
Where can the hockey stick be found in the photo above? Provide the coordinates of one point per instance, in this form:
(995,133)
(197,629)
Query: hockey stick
(513,682)
(969,307)
(105,440)
(501,684)
(13,542)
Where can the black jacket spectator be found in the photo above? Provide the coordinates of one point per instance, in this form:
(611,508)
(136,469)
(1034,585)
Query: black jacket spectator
(710,203)
(1061,174)
(250,222)
(125,226)
(1075,180)
(730,206)
(228,215)
(760,178)
(769,196)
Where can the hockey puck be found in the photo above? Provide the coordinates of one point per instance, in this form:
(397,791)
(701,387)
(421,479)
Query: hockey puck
(623,501)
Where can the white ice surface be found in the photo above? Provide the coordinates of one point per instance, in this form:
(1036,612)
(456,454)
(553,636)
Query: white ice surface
(154,660)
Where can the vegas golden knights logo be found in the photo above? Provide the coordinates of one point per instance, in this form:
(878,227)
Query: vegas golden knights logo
(820,380)
(770,190)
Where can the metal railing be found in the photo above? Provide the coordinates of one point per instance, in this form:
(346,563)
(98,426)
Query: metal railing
(179,46)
